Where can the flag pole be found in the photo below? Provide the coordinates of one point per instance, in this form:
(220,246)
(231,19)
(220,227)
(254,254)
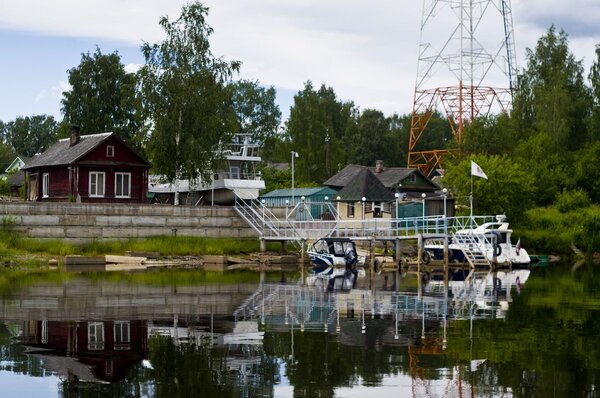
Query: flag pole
(471,202)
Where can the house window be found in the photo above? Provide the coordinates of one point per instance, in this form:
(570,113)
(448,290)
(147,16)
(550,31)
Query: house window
(122,335)
(234,173)
(350,211)
(377,209)
(122,185)
(96,335)
(97,184)
(110,151)
(45,185)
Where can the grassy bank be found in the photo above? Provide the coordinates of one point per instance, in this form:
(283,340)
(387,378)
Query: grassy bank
(16,249)
(554,230)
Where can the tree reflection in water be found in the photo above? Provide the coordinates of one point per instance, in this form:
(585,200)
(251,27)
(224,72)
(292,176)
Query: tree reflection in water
(547,343)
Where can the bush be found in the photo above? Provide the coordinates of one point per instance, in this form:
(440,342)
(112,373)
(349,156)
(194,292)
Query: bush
(572,200)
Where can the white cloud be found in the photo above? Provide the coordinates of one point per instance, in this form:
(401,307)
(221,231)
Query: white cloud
(367,51)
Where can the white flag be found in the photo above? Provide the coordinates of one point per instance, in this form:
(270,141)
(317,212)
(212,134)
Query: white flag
(476,170)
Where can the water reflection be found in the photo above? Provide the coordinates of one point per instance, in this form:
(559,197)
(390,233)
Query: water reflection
(452,338)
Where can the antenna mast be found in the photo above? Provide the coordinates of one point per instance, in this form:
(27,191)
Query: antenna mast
(466,68)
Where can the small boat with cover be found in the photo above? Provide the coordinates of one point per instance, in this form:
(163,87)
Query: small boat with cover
(335,263)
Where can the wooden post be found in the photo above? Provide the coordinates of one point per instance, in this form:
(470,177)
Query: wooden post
(284,246)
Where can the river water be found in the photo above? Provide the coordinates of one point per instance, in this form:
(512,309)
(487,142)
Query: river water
(184,334)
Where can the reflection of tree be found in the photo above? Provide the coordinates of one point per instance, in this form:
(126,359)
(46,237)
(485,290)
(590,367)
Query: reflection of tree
(12,357)
(549,344)
(322,363)
(203,370)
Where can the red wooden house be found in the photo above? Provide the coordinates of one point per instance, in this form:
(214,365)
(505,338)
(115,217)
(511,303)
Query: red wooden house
(98,168)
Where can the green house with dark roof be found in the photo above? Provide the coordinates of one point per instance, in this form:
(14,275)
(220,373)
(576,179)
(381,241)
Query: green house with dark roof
(313,197)
(409,184)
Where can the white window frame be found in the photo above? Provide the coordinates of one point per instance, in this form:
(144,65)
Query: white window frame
(95,335)
(117,185)
(122,335)
(45,185)
(110,151)
(96,174)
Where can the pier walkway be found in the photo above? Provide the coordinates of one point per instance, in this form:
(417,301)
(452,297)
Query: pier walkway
(293,228)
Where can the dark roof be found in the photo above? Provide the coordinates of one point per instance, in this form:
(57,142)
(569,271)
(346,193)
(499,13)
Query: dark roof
(388,176)
(62,153)
(365,184)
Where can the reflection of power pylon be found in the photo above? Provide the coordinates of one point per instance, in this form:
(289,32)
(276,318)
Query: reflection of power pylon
(465,46)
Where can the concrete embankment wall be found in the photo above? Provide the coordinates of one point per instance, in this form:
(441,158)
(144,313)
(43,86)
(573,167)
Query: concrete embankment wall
(78,222)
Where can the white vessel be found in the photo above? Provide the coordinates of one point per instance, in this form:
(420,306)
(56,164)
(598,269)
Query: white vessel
(493,239)
(240,178)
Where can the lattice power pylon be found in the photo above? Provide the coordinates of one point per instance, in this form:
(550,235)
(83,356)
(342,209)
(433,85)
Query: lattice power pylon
(466,68)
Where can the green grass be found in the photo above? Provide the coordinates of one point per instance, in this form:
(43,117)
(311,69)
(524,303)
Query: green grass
(32,252)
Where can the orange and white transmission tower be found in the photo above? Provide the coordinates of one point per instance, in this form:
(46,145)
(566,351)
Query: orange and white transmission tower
(466,68)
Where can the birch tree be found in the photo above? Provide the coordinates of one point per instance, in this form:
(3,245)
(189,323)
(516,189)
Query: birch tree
(187,93)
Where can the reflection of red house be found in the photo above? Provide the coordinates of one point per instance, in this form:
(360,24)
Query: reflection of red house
(98,168)
(104,350)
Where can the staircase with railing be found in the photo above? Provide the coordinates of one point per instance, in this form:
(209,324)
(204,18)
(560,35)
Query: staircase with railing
(474,248)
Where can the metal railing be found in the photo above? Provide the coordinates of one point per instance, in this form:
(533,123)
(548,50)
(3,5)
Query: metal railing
(268,226)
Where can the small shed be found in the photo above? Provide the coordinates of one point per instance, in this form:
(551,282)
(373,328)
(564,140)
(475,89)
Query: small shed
(313,198)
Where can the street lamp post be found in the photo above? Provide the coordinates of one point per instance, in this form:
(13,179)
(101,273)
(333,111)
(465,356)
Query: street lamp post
(294,156)
(397,196)
(337,207)
(363,207)
(445,193)
(423,200)
(287,203)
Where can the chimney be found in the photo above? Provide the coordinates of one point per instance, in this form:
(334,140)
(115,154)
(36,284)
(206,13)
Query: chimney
(74,135)
(378,166)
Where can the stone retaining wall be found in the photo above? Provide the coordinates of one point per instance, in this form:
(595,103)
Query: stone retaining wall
(85,222)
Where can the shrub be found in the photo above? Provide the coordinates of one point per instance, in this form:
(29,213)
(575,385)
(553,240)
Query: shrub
(572,200)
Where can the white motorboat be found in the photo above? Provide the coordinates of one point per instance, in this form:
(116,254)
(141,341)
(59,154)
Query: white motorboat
(493,239)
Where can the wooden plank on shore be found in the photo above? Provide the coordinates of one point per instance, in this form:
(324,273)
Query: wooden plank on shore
(148,255)
(112,259)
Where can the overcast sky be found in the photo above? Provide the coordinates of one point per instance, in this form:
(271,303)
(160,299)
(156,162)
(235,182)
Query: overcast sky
(366,51)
